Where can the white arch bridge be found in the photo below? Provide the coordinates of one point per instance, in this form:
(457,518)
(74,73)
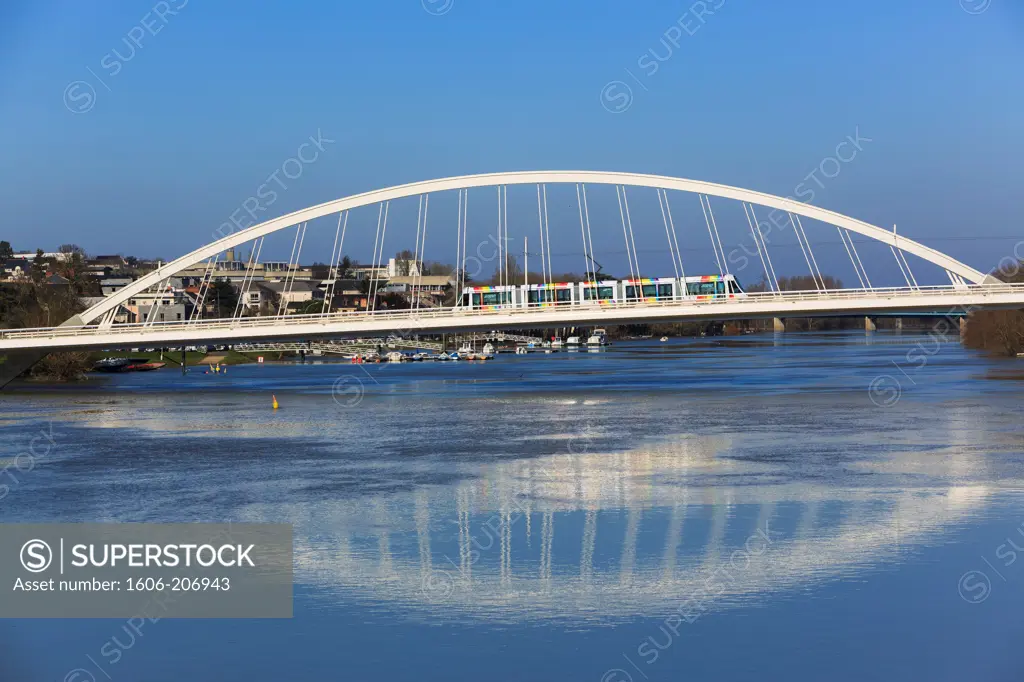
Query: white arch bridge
(966,289)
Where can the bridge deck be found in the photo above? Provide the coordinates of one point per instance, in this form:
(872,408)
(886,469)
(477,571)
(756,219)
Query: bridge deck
(951,299)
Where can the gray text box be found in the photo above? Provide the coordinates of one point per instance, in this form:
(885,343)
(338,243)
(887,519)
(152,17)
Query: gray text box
(128,570)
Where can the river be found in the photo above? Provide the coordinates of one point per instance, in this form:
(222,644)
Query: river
(800,507)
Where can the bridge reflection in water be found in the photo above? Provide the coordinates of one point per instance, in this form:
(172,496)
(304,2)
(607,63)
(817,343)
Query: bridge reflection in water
(587,534)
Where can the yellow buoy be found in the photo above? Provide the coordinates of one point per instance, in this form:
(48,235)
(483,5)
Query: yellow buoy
(276,405)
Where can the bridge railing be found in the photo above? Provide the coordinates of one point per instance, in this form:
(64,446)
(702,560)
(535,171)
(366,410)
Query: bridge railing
(406,316)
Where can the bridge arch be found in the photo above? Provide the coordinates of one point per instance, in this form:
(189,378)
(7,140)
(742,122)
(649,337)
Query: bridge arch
(530,178)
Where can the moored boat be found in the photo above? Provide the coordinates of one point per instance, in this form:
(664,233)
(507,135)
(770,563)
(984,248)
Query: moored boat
(146,366)
(117,365)
(112,364)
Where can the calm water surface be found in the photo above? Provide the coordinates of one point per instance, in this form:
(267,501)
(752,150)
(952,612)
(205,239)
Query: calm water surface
(834,507)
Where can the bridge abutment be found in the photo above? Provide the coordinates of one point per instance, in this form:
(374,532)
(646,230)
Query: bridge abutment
(778,325)
(13,363)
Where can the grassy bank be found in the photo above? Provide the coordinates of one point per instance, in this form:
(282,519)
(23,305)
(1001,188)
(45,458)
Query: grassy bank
(173,358)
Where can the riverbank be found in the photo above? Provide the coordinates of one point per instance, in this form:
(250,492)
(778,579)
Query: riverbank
(192,359)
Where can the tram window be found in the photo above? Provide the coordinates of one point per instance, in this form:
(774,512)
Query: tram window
(701,288)
(720,288)
(531,296)
(492,298)
(605,293)
(564,295)
(664,291)
(465,299)
(630,292)
(650,290)
(476,299)
(589,293)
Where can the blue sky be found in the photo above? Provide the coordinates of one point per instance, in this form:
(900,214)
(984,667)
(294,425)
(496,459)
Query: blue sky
(760,94)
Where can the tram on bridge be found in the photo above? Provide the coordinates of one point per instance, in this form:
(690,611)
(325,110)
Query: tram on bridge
(700,288)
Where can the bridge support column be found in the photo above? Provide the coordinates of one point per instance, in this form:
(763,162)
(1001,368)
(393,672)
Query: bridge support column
(963,326)
(899,324)
(14,363)
(869,325)
(778,325)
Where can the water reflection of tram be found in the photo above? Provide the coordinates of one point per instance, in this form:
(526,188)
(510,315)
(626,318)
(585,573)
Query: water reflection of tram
(702,288)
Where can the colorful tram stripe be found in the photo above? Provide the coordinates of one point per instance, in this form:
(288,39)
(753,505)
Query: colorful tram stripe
(601,292)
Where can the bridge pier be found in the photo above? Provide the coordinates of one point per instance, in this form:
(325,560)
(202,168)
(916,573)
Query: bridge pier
(963,326)
(778,325)
(869,325)
(13,363)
